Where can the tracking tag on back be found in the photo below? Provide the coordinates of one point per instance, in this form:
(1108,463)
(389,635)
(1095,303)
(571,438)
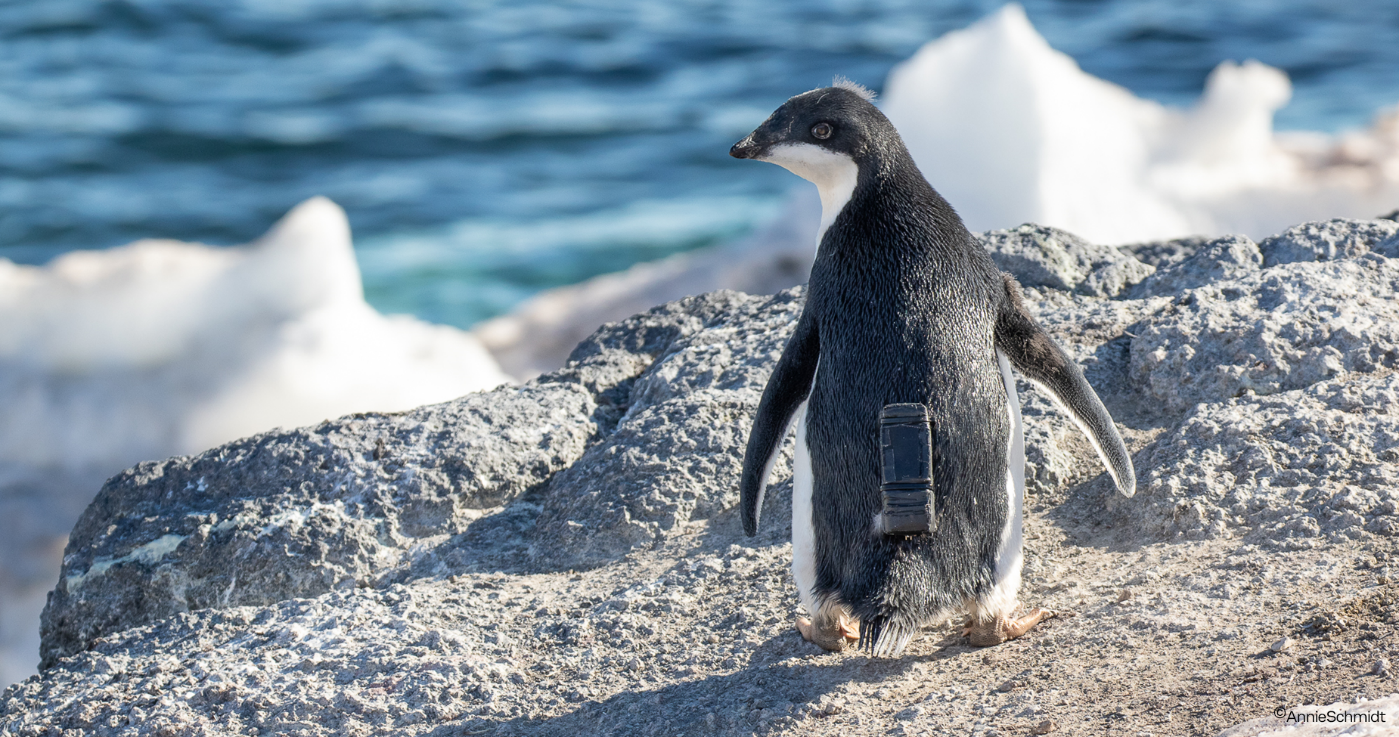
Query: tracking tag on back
(906,442)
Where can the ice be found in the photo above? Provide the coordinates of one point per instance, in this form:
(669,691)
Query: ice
(1011,131)
(161,347)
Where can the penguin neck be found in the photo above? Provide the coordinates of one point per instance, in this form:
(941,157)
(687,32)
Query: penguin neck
(834,174)
(835,192)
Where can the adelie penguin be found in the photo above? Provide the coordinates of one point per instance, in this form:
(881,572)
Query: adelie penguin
(908,328)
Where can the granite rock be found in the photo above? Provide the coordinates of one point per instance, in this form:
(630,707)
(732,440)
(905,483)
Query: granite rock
(1290,469)
(347,503)
(676,454)
(1328,240)
(1160,254)
(1040,256)
(1212,261)
(1270,331)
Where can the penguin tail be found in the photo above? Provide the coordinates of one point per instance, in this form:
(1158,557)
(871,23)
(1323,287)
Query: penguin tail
(883,637)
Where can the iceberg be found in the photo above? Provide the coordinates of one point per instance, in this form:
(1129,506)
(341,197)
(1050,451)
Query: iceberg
(160,347)
(1011,131)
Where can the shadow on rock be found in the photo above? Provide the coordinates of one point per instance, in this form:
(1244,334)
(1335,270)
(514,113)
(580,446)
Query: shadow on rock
(779,687)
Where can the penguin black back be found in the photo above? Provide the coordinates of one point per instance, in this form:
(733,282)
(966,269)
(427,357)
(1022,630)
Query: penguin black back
(903,302)
(904,306)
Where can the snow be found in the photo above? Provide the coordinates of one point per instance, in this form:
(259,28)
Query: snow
(1011,131)
(161,347)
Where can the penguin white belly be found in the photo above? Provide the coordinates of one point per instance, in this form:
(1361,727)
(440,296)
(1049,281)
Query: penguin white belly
(1010,556)
(803,528)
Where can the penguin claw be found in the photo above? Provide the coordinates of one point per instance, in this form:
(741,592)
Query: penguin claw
(1002,628)
(850,629)
(845,632)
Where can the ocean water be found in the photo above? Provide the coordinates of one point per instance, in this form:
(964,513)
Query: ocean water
(488,150)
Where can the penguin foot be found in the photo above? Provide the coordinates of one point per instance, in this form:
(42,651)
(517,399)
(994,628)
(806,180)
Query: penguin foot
(1002,628)
(837,634)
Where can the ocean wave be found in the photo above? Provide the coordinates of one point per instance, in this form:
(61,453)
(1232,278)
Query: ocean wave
(488,265)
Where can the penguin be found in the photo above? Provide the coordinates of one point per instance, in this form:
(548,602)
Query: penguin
(903,305)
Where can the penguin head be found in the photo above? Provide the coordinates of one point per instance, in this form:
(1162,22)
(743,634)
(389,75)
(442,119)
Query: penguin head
(820,134)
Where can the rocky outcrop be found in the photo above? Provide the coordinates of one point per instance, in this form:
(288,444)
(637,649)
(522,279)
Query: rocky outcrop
(1042,256)
(1204,263)
(345,504)
(292,514)
(1269,331)
(676,454)
(1297,468)
(563,556)
(1331,239)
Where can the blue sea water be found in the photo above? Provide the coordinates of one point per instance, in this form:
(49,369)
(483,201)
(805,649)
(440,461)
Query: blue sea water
(488,149)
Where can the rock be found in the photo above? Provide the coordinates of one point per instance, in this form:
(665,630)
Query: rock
(1160,254)
(1270,331)
(1326,241)
(221,662)
(334,506)
(1290,469)
(1216,260)
(343,504)
(1096,333)
(563,557)
(1041,256)
(676,454)
(1285,643)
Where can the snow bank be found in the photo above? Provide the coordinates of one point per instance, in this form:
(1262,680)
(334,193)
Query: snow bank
(1011,131)
(162,347)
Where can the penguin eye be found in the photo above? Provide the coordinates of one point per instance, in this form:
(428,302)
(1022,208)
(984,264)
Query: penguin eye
(822,131)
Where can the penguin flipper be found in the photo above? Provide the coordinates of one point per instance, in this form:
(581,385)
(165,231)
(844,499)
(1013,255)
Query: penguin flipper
(786,389)
(1041,360)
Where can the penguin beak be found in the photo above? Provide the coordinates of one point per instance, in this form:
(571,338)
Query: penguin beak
(745,149)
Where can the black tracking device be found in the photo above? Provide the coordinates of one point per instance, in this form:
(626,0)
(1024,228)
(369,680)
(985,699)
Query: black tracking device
(906,445)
